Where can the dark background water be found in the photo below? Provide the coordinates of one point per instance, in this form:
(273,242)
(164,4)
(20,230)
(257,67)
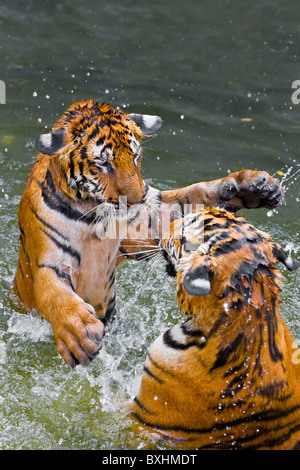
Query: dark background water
(220,75)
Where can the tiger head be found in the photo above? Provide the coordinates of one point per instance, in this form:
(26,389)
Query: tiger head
(217,257)
(99,152)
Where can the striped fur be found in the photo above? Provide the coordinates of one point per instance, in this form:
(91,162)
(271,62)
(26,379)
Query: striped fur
(66,267)
(226,377)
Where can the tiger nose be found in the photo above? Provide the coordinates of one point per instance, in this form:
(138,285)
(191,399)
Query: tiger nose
(133,192)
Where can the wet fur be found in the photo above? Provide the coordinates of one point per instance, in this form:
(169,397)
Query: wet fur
(226,377)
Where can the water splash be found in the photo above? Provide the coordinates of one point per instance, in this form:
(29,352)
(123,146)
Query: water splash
(30,327)
(290,175)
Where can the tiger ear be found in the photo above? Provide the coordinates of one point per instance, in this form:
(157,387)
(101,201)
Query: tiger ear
(51,143)
(149,125)
(284,258)
(197,281)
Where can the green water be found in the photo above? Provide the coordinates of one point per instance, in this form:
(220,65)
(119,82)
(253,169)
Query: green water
(203,67)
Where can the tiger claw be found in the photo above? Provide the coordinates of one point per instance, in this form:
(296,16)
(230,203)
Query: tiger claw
(261,191)
(275,195)
(79,335)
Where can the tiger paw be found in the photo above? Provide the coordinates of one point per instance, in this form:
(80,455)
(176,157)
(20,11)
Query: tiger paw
(78,334)
(250,189)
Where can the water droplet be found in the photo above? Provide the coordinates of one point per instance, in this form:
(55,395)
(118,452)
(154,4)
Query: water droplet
(226,307)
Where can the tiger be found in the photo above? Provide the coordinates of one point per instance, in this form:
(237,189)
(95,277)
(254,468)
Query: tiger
(87,174)
(227,375)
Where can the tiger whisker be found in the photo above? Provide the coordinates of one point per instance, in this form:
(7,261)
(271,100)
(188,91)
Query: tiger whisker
(88,212)
(154,250)
(144,245)
(147,139)
(155,261)
(149,148)
(145,253)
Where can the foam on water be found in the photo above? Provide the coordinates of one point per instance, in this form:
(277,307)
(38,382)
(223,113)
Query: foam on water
(30,326)
(45,405)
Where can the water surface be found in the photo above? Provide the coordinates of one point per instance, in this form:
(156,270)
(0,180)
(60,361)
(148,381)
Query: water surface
(219,74)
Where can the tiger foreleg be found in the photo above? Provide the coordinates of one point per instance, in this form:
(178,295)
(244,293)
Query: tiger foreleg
(77,331)
(246,189)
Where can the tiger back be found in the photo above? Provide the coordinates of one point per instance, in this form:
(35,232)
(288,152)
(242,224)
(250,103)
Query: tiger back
(226,377)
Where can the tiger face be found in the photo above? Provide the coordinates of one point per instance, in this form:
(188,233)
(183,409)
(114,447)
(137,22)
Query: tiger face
(99,152)
(215,255)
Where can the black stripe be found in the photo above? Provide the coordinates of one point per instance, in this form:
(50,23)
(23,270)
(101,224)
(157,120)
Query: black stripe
(215,226)
(265,416)
(257,365)
(208,221)
(83,153)
(153,376)
(109,168)
(66,248)
(58,272)
(172,343)
(111,301)
(110,309)
(49,181)
(235,385)
(297,446)
(82,172)
(142,406)
(17,289)
(229,246)
(71,166)
(94,132)
(22,242)
(161,368)
(20,269)
(218,323)
(266,442)
(223,354)
(189,331)
(235,369)
(112,278)
(100,141)
(40,219)
(58,203)
(147,187)
(279,440)
(216,237)
(181,208)
(275,354)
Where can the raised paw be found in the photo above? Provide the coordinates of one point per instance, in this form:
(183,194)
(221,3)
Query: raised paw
(250,189)
(78,335)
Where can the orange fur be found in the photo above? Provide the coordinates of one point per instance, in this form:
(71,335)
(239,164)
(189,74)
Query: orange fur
(224,378)
(66,266)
